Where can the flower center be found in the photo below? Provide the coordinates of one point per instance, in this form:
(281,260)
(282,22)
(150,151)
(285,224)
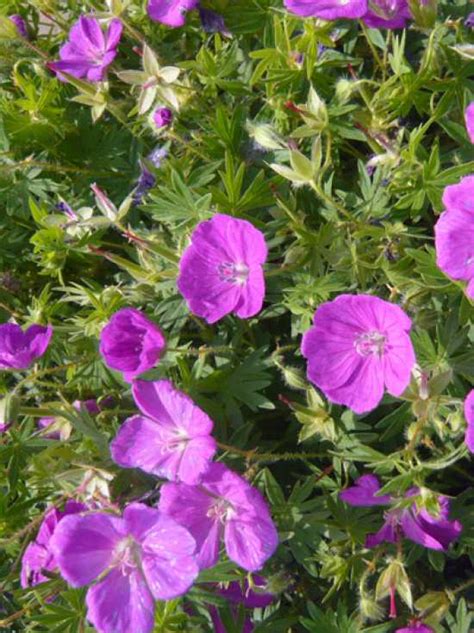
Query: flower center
(385,9)
(233,273)
(174,443)
(126,555)
(370,343)
(221,511)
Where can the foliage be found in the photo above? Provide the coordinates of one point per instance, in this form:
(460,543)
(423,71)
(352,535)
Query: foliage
(276,124)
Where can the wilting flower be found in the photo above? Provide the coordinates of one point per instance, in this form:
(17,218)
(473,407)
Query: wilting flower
(221,271)
(162,117)
(249,598)
(38,556)
(417,524)
(327,9)
(469,415)
(131,343)
(53,428)
(469,116)
(170,12)
(416,627)
(136,559)
(20,24)
(172,438)
(223,506)
(387,14)
(18,349)
(454,240)
(58,428)
(146,181)
(213,22)
(357,346)
(88,52)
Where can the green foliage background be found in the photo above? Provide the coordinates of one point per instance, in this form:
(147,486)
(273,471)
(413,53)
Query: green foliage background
(330,227)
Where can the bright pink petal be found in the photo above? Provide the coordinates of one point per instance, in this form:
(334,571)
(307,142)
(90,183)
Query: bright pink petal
(469,116)
(469,415)
(252,293)
(114,33)
(121,603)
(250,543)
(83,545)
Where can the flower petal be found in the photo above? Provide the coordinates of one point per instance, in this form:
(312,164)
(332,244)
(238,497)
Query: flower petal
(121,603)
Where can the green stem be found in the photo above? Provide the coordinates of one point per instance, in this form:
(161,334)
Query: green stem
(371,45)
(253,455)
(319,191)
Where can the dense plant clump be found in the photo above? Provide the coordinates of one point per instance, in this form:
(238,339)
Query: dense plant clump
(237,318)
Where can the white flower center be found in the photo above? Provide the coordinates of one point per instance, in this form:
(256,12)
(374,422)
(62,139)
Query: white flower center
(233,273)
(126,555)
(221,511)
(370,343)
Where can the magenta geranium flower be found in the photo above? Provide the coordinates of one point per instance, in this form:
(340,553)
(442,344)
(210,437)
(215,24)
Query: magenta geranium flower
(469,415)
(18,348)
(241,594)
(162,117)
(221,271)
(170,12)
(172,438)
(327,9)
(358,346)
(223,506)
(20,24)
(469,117)
(387,14)
(416,627)
(416,524)
(135,559)
(131,343)
(88,51)
(454,239)
(38,556)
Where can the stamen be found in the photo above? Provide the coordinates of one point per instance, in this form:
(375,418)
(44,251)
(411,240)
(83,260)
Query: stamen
(370,343)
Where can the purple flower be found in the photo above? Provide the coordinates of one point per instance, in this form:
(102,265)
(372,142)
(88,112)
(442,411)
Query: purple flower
(454,240)
(135,559)
(131,343)
(212,22)
(387,14)
(238,595)
(157,155)
(469,21)
(469,415)
(221,271)
(416,627)
(363,493)
(358,346)
(469,116)
(162,117)
(251,598)
(416,524)
(145,182)
(172,438)
(46,422)
(88,52)
(20,24)
(67,210)
(170,12)
(38,556)
(223,506)
(19,349)
(327,9)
